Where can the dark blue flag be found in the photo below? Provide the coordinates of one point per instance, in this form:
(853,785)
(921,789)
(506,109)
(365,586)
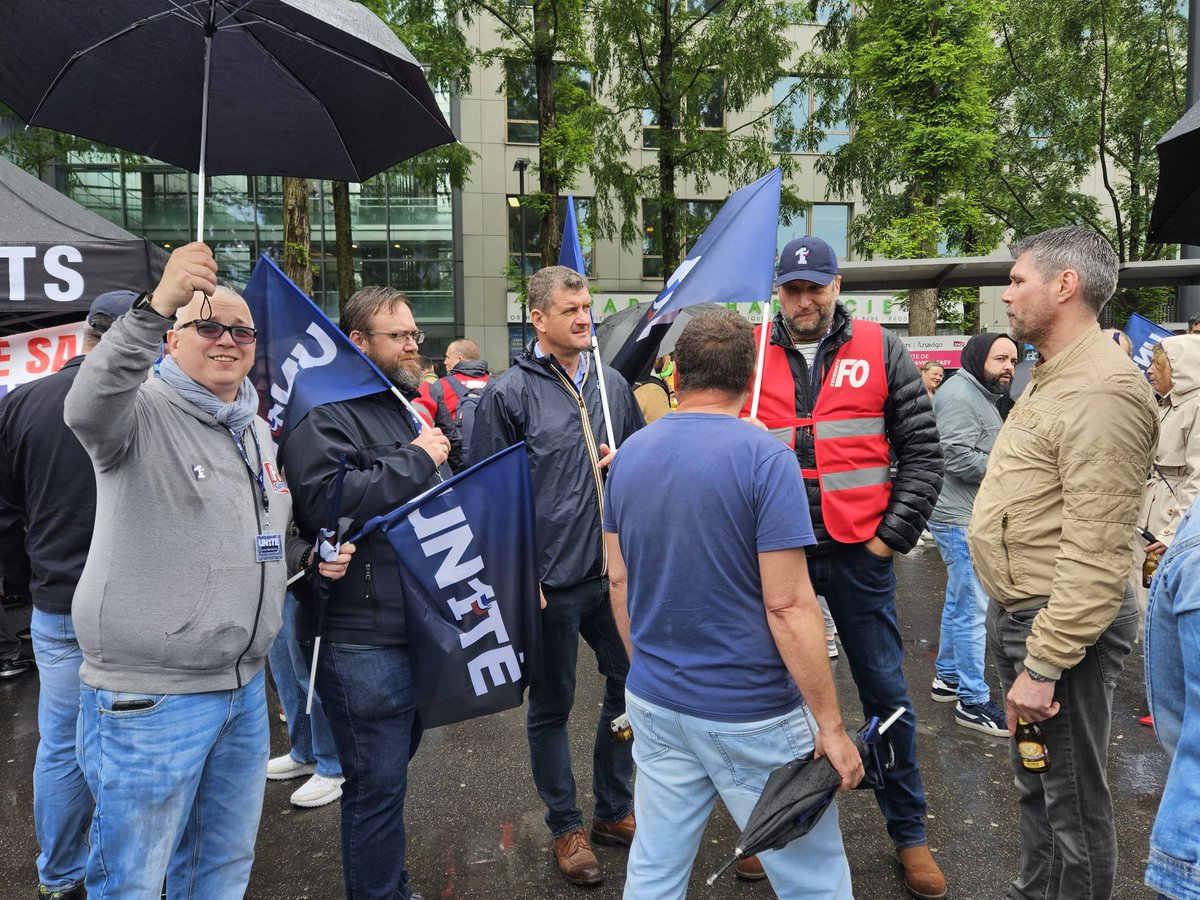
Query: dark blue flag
(295,335)
(1143,334)
(732,262)
(570,254)
(465,550)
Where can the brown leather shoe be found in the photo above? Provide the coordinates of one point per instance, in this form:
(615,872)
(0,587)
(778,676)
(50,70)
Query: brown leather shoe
(749,869)
(614,834)
(576,860)
(922,877)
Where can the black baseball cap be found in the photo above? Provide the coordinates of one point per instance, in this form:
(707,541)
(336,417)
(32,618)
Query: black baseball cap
(807,259)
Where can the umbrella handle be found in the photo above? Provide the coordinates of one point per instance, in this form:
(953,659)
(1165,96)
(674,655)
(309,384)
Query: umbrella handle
(721,871)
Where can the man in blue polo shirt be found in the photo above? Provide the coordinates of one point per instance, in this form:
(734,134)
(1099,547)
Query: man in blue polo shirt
(728,678)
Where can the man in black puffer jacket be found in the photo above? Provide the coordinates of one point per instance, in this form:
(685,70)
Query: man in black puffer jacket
(847,396)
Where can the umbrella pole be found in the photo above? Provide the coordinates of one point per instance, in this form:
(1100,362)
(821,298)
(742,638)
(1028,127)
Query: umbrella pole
(209,29)
(612,445)
(312,675)
(729,862)
(762,355)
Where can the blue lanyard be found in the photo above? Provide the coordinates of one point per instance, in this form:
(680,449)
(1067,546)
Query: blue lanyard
(256,474)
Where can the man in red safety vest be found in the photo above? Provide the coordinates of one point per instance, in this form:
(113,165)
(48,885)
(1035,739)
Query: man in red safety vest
(847,397)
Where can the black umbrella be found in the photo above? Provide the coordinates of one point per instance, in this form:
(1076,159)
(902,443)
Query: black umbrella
(616,329)
(797,795)
(1176,214)
(311,88)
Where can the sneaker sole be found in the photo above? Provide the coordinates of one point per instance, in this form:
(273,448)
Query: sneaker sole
(942,698)
(323,800)
(291,775)
(982,729)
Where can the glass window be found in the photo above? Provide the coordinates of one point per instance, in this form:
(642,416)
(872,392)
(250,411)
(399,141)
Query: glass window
(572,89)
(826,9)
(691,220)
(796,100)
(533,233)
(712,106)
(829,221)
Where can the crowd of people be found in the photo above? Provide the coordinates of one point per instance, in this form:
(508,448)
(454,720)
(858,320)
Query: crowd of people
(154,743)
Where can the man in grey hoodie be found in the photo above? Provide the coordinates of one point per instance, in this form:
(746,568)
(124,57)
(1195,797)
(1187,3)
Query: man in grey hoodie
(968,420)
(181,594)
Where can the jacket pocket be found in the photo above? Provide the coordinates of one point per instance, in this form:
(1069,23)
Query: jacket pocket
(217,629)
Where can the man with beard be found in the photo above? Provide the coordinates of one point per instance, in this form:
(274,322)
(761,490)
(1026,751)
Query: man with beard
(968,420)
(363,673)
(1050,536)
(846,396)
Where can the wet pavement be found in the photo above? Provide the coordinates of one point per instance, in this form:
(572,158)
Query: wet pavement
(475,821)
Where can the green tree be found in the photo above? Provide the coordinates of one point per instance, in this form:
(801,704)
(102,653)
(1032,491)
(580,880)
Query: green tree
(671,72)
(1082,91)
(919,110)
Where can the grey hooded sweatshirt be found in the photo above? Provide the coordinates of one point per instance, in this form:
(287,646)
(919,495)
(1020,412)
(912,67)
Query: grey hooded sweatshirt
(171,600)
(968,422)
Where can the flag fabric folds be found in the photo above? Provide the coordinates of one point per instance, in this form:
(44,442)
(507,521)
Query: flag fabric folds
(294,335)
(570,254)
(732,262)
(466,554)
(1143,334)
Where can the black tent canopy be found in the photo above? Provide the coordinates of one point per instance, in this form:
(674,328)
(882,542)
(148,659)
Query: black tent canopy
(56,256)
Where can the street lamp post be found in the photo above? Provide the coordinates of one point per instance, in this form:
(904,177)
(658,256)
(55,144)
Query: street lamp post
(519,167)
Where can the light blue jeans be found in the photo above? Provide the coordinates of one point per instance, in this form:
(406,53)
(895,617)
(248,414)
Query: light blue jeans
(684,764)
(179,790)
(62,803)
(1173,688)
(309,736)
(964,617)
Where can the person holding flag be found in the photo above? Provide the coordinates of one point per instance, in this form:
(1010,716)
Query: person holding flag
(551,400)
(363,672)
(846,396)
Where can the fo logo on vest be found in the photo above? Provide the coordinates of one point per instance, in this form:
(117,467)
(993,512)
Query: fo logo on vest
(854,371)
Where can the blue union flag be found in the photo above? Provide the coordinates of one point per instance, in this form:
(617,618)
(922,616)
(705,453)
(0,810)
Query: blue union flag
(466,555)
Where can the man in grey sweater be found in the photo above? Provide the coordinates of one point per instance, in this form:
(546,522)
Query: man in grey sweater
(968,420)
(181,595)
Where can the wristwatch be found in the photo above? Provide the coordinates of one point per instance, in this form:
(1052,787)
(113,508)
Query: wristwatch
(1037,676)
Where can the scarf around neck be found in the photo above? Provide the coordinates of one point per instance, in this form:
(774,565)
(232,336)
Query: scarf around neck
(235,416)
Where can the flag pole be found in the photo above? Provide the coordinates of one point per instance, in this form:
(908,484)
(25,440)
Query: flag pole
(768,320)
(608,430)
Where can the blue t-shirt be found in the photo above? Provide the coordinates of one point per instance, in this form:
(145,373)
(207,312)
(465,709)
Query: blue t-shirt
(695,497)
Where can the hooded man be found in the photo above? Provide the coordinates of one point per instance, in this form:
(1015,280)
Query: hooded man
(968,413)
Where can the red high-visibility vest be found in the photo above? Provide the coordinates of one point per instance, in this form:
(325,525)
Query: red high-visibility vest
(850,442)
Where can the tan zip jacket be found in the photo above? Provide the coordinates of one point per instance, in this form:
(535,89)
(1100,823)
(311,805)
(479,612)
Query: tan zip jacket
(1052,522)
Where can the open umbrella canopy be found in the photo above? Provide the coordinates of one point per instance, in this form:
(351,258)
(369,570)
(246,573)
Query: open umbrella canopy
(311,88)
(1176,214)
(616,329)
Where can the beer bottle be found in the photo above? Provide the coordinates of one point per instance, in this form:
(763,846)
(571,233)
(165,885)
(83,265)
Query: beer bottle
(1031,747)
(1149,567)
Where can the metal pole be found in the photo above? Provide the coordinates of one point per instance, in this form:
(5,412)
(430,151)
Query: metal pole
(1189,295)
(525,305)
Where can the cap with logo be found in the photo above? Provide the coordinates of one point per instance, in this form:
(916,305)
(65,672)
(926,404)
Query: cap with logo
(807,259)
(112,304)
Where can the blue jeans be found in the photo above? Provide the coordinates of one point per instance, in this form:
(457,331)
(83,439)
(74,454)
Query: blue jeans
(368,698)
(684,764)
(1068,839)
(178,788)
(582,609)
(1173,687)
(964,617)
(62,803)
(860,589)
(309,736)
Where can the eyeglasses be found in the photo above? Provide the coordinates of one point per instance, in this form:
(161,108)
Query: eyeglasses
(212,331)
(402,337)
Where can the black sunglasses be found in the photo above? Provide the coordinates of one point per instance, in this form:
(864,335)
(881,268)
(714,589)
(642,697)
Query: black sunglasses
(212,331)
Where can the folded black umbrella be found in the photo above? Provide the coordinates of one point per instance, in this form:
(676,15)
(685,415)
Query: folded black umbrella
(797,795)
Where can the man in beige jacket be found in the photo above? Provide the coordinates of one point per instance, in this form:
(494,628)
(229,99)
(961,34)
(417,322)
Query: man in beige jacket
(1050,539)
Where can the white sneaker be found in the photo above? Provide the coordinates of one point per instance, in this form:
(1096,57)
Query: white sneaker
(318,791)
(283,768)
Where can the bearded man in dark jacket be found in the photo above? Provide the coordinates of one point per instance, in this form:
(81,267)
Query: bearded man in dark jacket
(550,399)
(847,396)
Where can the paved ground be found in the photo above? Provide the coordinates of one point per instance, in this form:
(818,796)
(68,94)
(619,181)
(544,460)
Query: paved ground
(475,822)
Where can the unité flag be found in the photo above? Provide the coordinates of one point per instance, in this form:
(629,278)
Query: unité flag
(295,336)
(1143,335)
(570,254)
(732,262)
(465,550)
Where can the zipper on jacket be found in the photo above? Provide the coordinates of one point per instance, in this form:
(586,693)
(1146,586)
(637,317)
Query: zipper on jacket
(262,578)
(1004,545)
(376,615)
(593,459)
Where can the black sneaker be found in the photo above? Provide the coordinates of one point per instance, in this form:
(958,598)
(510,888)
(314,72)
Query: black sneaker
(13,668)
(74,893)
(987,718)
(944,691)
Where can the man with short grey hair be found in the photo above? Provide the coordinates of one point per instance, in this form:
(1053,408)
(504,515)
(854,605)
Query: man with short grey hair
(550,400)
(1049,536)
(1194,324)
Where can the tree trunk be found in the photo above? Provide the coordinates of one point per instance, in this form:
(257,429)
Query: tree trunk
(668,205)
(344,249)
(549,177)
(297,233)
(922,311)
